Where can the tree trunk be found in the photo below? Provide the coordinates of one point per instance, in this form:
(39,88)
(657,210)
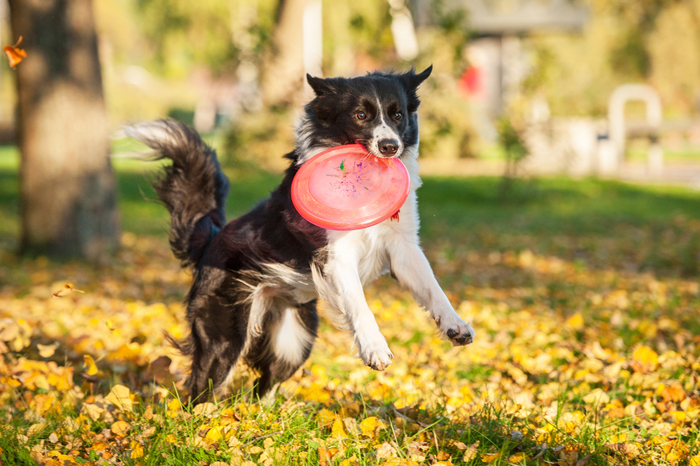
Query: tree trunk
(283,71)
(67,189)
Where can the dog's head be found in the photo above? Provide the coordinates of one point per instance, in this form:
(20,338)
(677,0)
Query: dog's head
(377,111)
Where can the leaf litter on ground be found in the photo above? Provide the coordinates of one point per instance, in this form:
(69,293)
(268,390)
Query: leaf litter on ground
(572,365)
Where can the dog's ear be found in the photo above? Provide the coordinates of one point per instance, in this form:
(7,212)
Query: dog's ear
(319,85)
(411,80)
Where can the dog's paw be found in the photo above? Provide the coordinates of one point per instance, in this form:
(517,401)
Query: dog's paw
(376,354)
(459,333)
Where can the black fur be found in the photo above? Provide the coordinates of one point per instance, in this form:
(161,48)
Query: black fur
(193,188)
(228,262)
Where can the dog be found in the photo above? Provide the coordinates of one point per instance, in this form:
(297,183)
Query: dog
(257,279)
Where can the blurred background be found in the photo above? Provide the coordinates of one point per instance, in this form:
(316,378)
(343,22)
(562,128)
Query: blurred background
(235,68)
(520,87)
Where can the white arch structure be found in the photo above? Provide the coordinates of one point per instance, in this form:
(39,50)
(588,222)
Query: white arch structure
(616,119)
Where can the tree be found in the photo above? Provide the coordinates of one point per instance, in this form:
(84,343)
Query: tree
(67,192)
(283,71)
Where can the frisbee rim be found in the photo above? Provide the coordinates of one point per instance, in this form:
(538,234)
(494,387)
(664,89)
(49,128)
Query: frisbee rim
(301,194)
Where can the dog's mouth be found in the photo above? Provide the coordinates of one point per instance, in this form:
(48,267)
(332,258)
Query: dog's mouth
(383,149)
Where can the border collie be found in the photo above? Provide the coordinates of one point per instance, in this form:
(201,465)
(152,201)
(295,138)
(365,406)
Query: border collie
(256,279)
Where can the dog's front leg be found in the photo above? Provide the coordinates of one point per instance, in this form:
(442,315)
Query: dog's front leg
(412,269)
(340,287)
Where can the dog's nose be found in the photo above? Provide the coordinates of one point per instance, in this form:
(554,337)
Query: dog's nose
(388,146)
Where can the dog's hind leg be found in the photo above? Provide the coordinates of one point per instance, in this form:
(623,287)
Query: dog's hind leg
(214,352)
(286,345)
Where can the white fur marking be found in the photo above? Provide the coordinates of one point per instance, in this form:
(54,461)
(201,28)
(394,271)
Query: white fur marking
(383,131)
(151,131)
(291,338)
(303,134)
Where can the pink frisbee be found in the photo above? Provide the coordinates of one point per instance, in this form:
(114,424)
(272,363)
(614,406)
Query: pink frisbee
(347,188)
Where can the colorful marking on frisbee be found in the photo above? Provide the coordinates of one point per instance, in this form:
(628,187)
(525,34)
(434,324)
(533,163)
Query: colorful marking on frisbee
(349,179)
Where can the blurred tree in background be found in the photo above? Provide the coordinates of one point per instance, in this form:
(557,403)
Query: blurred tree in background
(68,204)
(175,57)
(653,41)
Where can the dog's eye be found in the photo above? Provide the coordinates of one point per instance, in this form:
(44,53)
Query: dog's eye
(361,115)
(398,116)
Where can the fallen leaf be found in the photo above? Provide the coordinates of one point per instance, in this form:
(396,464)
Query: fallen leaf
(628,450)
(67,289)
(93,411)
(120,428)
(385,451)
(14,54)
(490,457)
(36,429)
(471,452)
(338,431)
(89,365)
(136,450)
(46,351)
(204,409)
(644,360)
(120,396)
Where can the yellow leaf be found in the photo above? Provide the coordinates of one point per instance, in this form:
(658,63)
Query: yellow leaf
(326,417)
(369,425)
(352,461)
(214,435)
(67,288)
(36,429)
(516,458)
(575,322)
(644,359)
(136,450)
(9,330)
(89,365)
(385,451)
(203,409)
(92,411)
(46,351)
(694,461)
(174,406)
(120,396)
(470,452)
(338,431)
(120,428)
(490,457)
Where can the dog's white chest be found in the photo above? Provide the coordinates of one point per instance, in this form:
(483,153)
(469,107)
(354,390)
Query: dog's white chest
(368,249)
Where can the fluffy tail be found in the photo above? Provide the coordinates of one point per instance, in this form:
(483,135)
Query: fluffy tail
(193,188)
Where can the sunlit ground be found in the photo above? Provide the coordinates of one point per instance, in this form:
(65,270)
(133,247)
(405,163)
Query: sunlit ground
(584,297)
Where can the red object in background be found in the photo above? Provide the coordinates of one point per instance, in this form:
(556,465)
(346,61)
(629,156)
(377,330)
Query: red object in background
(471,81)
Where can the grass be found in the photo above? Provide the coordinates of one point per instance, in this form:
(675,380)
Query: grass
(583,294)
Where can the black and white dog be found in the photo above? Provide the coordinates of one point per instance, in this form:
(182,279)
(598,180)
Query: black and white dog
(257,278)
